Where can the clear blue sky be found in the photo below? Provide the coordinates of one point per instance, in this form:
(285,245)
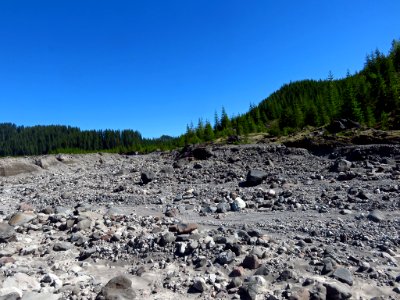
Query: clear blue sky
(155,66)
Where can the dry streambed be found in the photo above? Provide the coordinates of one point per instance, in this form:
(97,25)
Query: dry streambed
(230,222)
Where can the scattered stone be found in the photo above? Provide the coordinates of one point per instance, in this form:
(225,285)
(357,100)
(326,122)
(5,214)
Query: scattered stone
(343,275)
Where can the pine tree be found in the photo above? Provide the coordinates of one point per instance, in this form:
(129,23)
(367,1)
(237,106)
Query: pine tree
(208,132)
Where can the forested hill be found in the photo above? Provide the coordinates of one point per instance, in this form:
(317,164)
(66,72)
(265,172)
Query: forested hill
(20,140)
(370,97)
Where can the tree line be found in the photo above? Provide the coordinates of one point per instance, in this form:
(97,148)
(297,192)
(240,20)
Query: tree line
(370,97)
(19,140)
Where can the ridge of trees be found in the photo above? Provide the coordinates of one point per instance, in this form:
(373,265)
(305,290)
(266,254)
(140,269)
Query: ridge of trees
(370,97)
(19,140)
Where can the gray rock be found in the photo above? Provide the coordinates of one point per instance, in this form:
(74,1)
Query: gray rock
(286,275)
(21,218)
(118,288)
(318,292)
(223,207)
(328,267)
(62,246)
(166,239)
(86,253)
(343,275)
(83,225)
(254,286)
(337,291)
(376,216)
(225,257)
(255,177)
(258,251)
(263,270)
(7,233)
(341,165)
(199,284)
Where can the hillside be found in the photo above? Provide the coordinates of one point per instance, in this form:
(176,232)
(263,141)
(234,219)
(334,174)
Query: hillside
(370,97)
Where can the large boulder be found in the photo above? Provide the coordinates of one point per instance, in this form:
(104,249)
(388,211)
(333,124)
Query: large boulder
(21,218)
(343,275)
(255,177)
(337,291)
(341,165)
(118,288)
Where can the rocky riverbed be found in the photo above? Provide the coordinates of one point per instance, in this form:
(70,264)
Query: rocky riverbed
(223,222)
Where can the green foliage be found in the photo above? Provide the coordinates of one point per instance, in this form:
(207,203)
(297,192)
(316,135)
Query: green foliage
(384,121)
(19,140)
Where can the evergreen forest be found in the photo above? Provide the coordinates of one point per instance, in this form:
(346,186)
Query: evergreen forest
(370,97)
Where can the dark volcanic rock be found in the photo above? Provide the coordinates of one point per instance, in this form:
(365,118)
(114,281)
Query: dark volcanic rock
(147,177)
(337,291)
(255,177)
(202,153)
(251,262)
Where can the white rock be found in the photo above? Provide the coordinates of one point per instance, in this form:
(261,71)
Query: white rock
(22,281)
(240,203)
